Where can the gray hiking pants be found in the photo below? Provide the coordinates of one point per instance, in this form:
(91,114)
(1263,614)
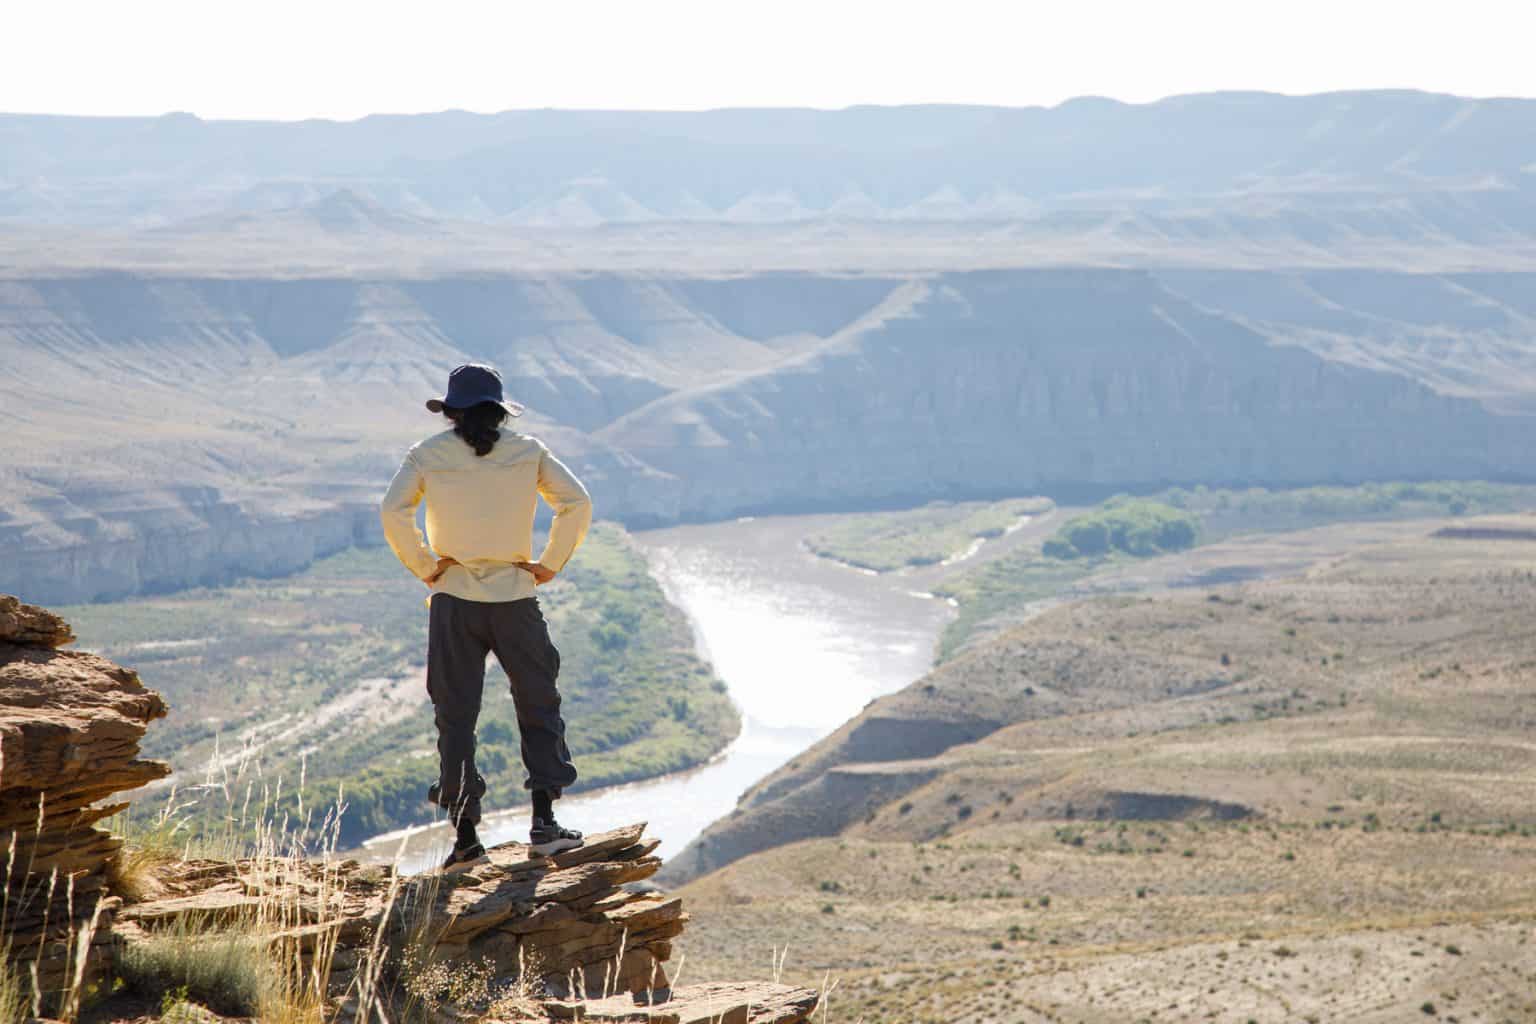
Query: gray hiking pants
(460,634)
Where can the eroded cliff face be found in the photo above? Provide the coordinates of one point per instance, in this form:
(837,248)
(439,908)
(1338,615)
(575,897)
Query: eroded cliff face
(170,542)
(222,427)
(1049,382)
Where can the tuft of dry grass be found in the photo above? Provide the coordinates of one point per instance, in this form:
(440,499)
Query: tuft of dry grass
(222,969)
(15,995)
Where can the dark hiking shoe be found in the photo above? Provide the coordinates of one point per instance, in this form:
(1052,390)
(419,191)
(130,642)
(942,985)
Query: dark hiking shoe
(547,838)
(460,859)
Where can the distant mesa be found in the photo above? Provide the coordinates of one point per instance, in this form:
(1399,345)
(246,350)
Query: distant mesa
(341,211)
(1432,169)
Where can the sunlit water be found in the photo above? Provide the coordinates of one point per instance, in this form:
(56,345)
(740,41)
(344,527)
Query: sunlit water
(802,644)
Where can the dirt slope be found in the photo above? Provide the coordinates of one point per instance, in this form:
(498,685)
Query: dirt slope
(1341,830)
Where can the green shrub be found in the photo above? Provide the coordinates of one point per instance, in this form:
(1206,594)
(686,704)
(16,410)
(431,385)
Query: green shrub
(1127,525)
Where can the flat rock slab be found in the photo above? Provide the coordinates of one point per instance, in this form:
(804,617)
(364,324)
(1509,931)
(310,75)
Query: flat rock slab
(717,1003)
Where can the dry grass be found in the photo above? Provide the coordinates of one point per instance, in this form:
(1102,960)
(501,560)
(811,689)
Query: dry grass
(224,970)
(15,994)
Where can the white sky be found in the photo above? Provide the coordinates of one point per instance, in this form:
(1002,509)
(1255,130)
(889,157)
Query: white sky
(343,58)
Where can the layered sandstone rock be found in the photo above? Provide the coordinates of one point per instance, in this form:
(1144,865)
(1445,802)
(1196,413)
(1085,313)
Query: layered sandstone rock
(70,726)
(569,933)
(579,943)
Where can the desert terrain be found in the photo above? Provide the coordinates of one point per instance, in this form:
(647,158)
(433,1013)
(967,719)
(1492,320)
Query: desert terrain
(1306,798)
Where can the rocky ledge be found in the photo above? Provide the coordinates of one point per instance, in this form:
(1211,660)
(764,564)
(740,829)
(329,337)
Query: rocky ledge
(563,932)
(569,937)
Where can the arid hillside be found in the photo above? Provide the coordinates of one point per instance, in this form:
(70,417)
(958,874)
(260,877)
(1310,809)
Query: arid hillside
(1300,799)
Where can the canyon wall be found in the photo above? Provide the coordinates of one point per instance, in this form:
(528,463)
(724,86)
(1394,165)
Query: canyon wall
(163,432)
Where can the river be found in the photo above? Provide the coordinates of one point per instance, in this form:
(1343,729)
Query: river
(802,644)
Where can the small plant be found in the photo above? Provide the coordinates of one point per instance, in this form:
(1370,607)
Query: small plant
(827,908)
(176,1009)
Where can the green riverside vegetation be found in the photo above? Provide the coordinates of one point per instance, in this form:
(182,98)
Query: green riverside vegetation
(1133,526)
(318,679)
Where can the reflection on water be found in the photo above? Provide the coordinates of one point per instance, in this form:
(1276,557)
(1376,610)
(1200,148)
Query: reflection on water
(803,644)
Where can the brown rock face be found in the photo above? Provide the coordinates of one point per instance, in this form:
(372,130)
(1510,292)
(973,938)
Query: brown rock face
(29,626)
(70,726)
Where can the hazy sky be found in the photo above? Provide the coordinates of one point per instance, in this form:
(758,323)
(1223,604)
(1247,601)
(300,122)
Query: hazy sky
(343,59)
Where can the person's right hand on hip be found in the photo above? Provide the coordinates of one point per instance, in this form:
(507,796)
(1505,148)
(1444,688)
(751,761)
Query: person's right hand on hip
(541,572)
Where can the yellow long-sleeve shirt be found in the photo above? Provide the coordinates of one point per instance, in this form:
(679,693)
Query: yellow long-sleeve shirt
(480,512)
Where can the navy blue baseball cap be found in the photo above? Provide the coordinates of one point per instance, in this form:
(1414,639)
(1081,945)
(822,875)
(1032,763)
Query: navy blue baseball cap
(472,384)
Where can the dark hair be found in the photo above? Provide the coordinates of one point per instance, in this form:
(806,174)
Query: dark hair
(477,425)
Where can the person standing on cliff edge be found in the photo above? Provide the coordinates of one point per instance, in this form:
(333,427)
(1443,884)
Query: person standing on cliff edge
(482,484)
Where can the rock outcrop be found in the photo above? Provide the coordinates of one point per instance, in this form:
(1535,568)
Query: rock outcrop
(569,936)
(564,931)
(70,726)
